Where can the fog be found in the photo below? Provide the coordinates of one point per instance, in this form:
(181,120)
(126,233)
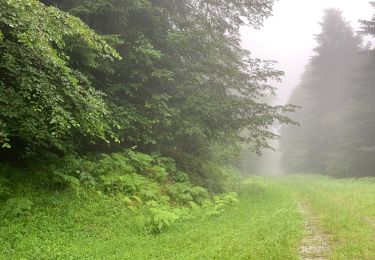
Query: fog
(289,37)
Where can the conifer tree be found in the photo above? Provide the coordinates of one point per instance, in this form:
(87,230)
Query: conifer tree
(323,94)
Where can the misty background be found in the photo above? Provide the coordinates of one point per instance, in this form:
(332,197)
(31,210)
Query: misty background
(289,37)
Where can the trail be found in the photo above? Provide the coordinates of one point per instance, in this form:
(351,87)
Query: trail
(370,221)
(315,245)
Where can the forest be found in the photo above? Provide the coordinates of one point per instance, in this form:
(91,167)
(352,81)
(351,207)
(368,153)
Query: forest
(337,135)
(130,129)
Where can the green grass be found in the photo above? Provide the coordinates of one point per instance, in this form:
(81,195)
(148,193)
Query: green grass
(264,225)
(346,208)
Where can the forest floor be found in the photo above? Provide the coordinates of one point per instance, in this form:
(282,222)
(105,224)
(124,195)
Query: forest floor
(296,217)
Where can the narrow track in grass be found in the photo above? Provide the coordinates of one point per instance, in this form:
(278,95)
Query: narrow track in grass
(315,245)
(346,210)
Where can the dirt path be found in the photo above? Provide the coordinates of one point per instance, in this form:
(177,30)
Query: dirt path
(315,243)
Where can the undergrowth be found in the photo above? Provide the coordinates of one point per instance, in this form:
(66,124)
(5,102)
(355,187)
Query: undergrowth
(94,196)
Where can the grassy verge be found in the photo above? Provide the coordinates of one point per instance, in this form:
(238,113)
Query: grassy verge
(346,209)
(265,224)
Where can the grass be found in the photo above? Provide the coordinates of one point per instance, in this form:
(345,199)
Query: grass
(346,208)
(264,225)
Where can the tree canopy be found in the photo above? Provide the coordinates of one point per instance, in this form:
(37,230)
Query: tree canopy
(47,100)
(158,76)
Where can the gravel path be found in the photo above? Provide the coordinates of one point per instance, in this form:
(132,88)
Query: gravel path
(315,243)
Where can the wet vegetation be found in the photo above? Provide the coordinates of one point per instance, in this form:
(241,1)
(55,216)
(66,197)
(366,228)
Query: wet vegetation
(345,209)
(134,129)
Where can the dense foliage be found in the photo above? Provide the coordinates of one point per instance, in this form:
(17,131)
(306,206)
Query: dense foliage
(59,224)
(107,75)
(185,81)
(47,101)
(96,197)
(337,115)
(118,119)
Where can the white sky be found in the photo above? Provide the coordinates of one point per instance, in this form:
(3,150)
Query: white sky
(288,36)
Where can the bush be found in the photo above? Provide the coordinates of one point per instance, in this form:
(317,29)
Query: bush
(4,188)
(62,180)
(149,187)
(116,183)
(16,207)
(161,217)
(184,193)
(222,202)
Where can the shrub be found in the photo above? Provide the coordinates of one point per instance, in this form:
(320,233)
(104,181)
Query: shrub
(180,176)
(221,203)
(16,207)
(63,181)
(116,162)
(128,184)
(164,194)
(161,217)
(4,188)
(140,161)
(158,173)
(184,193)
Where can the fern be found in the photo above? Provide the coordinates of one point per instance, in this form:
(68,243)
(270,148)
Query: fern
(16,207)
